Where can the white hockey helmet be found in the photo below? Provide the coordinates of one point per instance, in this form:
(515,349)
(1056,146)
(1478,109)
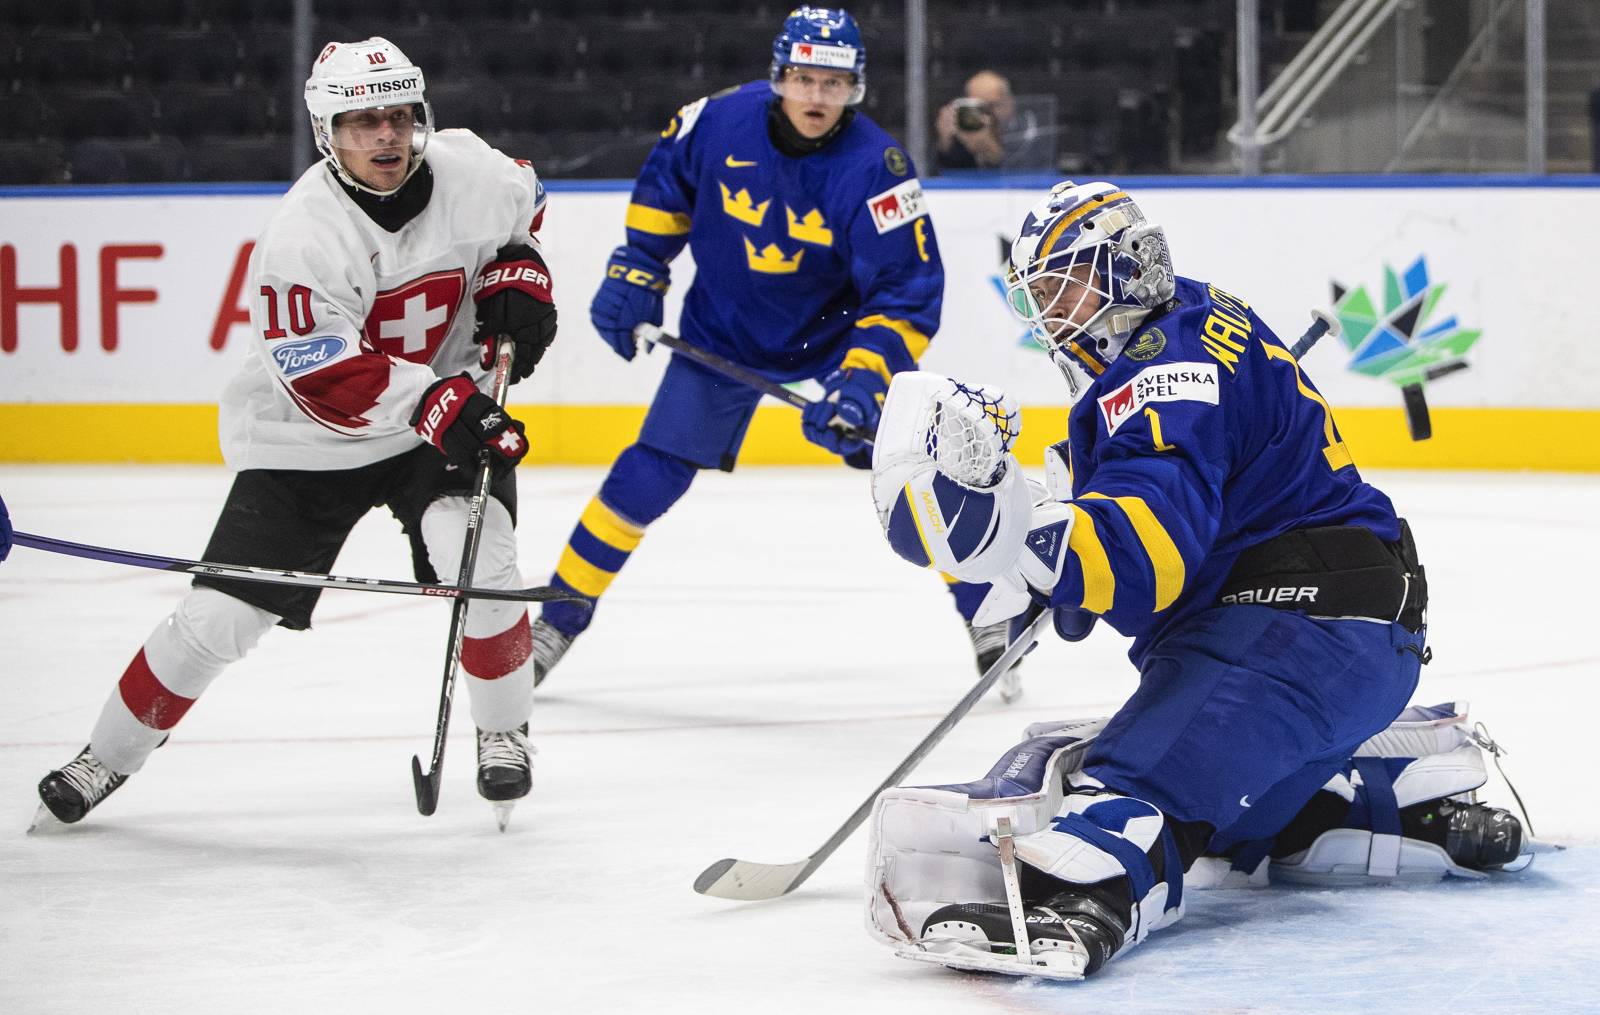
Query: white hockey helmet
(348,77)
(1085,271)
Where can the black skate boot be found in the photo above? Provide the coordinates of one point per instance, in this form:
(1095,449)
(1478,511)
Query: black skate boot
(505,770)
(1476,836)
(1069,930)
(549,645)
(75,788)
(988,643)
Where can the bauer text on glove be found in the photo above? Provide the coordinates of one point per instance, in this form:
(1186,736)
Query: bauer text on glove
(459,420)
(512,294)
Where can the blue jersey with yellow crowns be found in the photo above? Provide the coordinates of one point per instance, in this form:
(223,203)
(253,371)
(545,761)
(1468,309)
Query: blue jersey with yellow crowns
(801,263)
(1202,439)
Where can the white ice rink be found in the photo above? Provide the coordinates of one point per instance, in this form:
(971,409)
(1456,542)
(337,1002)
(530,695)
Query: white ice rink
(762,662)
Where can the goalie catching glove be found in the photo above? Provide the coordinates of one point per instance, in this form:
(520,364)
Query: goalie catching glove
(512,294)
(951,496)
(459,420)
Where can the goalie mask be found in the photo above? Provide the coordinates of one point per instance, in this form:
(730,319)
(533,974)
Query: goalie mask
(816,38)
(366,101)
(1085,270)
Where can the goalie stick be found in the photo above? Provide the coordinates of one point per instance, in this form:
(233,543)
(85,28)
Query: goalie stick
(271,576)
(746,880)
(427,783)
(652,335)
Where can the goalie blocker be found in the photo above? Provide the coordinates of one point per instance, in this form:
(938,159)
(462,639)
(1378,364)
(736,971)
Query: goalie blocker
(1402,809)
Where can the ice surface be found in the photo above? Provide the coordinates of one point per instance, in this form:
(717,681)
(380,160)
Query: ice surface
(760,665)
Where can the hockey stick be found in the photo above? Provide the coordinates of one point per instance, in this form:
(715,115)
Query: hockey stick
(270,576)
(748,881)
(427,783)
(652,335)
(1322,323)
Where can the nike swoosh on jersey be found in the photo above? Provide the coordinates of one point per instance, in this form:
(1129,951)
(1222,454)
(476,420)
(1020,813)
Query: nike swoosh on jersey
(733,163)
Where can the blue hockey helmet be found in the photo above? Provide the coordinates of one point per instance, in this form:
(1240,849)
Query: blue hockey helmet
(823,38)
(1085,270)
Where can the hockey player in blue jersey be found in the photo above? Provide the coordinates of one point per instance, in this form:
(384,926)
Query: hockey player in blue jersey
(815,258)
(1205,505)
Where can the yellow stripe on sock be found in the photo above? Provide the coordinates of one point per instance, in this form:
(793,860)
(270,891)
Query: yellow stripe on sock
(582,575)
(609,527)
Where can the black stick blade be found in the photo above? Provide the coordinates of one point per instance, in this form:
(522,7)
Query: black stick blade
(427,787)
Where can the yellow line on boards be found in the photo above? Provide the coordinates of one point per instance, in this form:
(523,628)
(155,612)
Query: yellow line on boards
(1554,440)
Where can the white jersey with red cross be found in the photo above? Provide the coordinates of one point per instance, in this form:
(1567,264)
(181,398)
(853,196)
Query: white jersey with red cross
(351,322)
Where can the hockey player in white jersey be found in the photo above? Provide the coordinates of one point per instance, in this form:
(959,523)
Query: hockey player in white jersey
(379,289)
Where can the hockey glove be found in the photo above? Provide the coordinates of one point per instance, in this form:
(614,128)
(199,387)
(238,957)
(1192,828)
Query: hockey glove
(846,419)
(633,293)
(513,297)
(459,420)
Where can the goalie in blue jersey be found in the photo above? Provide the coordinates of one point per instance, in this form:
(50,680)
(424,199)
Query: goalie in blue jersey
(815,258)
(1205,505)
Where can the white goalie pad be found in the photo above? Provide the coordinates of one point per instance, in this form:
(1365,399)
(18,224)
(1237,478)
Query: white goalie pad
(1445,761)
(948,492)
(929,846)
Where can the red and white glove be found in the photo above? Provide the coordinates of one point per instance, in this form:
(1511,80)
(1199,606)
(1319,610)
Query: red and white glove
(459,420)
(512,294)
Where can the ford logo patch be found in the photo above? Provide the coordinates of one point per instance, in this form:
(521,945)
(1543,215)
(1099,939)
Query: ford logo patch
(307,354)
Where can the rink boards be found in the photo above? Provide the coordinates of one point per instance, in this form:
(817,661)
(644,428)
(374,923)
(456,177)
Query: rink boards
(122,312)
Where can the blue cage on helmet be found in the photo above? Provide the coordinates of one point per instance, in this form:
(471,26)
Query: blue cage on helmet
(823,38)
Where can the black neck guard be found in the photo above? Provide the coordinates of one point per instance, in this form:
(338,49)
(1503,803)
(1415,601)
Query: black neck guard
(391,213)
(795,144)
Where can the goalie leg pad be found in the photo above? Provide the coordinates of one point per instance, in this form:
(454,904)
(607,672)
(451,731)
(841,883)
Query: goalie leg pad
(929,843)
(1413,779)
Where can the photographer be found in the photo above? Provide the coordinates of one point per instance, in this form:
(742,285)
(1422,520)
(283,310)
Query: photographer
(971,128)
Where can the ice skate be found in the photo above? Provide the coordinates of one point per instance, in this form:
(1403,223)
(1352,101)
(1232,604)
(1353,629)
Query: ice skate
(1477,836)
(74,789)
(505,770)
(549,645)
(987,645)
(1069,937)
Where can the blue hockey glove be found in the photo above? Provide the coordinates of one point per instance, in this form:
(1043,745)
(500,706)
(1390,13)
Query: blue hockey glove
(846,418)
(5,531)
(634,289)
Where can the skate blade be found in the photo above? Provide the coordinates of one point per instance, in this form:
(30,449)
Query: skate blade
(1537,846)
(45,823)
(975,961)
(502,812)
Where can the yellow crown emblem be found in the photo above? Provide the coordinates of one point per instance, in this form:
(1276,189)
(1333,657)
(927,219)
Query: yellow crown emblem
(809,229)
(770,261)
(740,206)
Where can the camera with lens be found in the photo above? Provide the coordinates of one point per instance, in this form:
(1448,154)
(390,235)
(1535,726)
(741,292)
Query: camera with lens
(972,114)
